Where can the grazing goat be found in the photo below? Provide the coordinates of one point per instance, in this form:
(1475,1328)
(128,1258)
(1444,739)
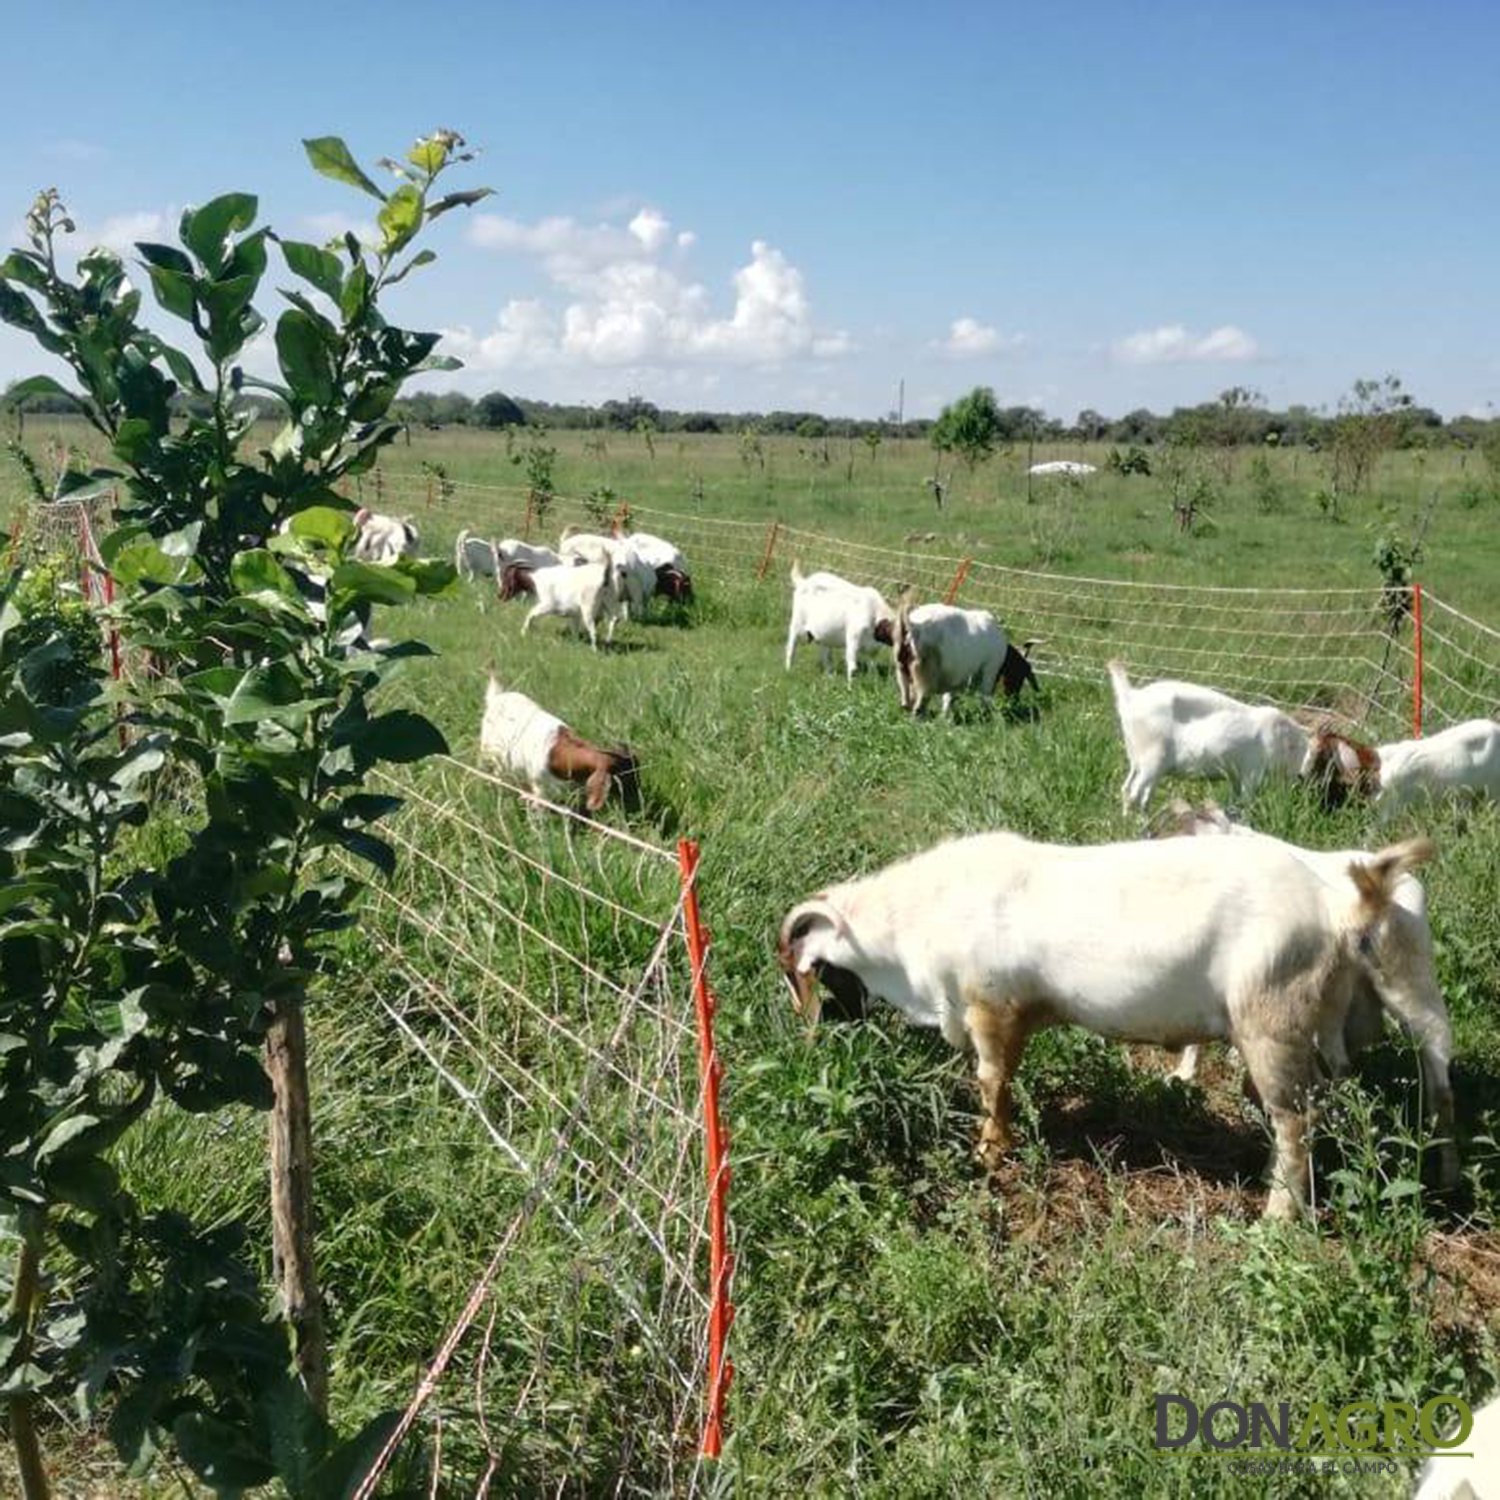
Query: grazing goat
(474,557)
(1069,466)
(635,579)
(653,550)
(526,554)
(1465,758)
(1341,768)
(1397,974)
(993,937)
(539,747)
(674,584)
(516,580)
(384,540)
(1179,726)
(939,649)
(831,611)
(585,594)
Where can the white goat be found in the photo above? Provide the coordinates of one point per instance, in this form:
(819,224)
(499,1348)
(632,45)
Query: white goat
(1475,1476)
(940,649)
(525,554)
(635,578)
(474,557)
(1179,726)
(831,611)
(384,540)
(585,593)
(993,937)
(1465,758)
(653,550)
(1398,975)
(539,747)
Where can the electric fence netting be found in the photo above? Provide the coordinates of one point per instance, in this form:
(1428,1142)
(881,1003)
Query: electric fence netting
(550,971)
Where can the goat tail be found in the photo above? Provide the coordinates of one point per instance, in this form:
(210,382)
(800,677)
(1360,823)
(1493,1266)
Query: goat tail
(1375,879)
(568,531)
(458,553)
(1119,680)
(796,573)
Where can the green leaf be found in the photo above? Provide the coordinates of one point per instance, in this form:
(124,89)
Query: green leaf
(324,525)
(223,1457)
(366,846)
(271,693)
(428,155)
(459,200)
(174,290)
(330,156)
(421,258)
(340,1476)
(439,362)
(302,351)
(400,218)
(205,231)
(320,267)
(258,572)
(357,581)
(69,1130)
(399,736)
(431,575)
(168,257)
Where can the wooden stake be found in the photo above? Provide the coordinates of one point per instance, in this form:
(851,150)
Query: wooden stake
(292,1263)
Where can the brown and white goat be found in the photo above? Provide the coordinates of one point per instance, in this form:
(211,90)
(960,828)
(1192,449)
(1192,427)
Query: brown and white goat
(1340,768)
(515,580)
(543,751)
(993,937)
(1397,974)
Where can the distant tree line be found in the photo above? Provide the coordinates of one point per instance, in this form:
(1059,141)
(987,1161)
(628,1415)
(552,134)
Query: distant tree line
(1237,416)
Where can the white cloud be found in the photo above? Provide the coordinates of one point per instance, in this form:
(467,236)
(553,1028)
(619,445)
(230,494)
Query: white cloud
(122,232)
(625,307)
(968,338)
(334,226)
(1172,344)
(71,150)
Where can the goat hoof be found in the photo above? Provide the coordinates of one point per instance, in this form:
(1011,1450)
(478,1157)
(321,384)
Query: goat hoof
(993,1146)
(1282,1207)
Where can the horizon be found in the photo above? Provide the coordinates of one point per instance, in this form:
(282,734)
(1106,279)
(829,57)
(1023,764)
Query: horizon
(1084,210)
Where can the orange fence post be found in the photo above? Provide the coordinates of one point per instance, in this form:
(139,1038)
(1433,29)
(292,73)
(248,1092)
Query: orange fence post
(765,561)
(1416,676)
(958,581)
(716,1149)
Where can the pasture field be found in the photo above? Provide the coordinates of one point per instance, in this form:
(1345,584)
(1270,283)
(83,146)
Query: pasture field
(905,1326)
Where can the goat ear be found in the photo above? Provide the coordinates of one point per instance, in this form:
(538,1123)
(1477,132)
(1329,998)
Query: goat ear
(802,919)
(1374,878)
(596,789)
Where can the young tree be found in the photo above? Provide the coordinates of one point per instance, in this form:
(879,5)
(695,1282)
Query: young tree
(970,427)
(123,978)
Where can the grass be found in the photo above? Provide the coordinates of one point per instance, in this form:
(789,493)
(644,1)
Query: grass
(905,1327)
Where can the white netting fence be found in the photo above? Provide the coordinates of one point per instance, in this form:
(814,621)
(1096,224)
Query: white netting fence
(538,963)
(1344,655)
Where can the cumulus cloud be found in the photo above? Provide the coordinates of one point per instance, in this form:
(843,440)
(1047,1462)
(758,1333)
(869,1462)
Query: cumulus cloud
(626,306)
(968,338)
(1172,344)
(123,231)
(335,226)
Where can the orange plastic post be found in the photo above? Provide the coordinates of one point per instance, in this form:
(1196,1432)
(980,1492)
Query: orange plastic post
(958,581)
(1416,676)
(765,561)
(716,1150)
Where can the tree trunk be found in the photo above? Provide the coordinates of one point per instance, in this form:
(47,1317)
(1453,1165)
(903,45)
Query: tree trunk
(27,1284)
(292,1199)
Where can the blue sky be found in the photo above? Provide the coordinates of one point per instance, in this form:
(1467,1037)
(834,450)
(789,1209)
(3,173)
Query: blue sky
(795,205)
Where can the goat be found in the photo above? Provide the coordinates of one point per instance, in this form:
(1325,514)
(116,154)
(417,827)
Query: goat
(939,649)
(985,937)
(1463,758)
(1341,768)
(635,579)
(830,611)
(538,746)
(384,540)
(653,550)
(1472,1474)
(474,557)
(516,580)
(585,593)
(1397,974)
(1179,726)
(674,584)
(526,554)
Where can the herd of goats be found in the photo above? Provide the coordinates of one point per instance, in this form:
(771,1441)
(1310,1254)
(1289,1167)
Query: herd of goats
(1295,957)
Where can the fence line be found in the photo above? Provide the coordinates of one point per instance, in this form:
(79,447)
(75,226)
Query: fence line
(1358,656)
(552,972)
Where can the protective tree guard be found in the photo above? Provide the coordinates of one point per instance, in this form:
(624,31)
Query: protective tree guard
(715,1153)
